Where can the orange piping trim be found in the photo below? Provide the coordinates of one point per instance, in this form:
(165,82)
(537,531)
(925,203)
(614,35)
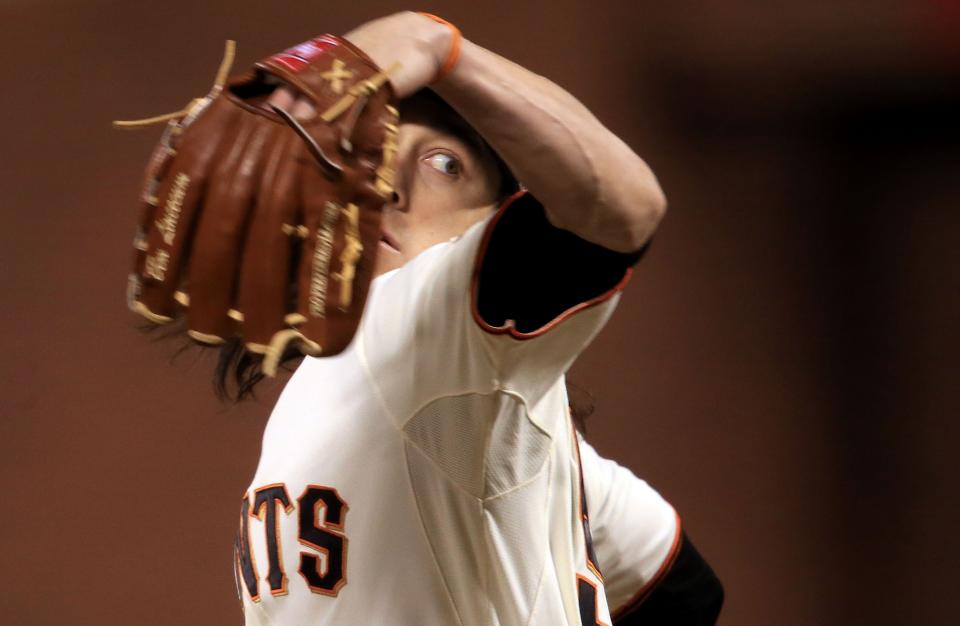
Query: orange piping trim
(644,592)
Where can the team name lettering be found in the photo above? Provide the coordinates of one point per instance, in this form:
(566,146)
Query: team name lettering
(266,501)
(246,568)
(321,515)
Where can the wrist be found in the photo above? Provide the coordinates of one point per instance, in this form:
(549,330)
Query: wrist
(447,41)
(420,46)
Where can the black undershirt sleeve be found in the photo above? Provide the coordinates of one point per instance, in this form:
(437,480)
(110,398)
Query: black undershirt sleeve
(690,594)
(532,272)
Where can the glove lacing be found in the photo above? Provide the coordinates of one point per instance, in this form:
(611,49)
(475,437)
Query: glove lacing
(193,108)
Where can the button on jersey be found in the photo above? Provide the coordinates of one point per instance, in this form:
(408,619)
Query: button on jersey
(427,475)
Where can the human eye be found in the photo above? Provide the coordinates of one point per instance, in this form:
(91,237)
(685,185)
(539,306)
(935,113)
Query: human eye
(444,163)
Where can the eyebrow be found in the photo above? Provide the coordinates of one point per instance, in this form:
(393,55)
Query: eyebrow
(469,137)
(474,152)
(464,134)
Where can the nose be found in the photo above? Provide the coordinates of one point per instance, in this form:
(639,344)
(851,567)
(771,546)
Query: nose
(397,200)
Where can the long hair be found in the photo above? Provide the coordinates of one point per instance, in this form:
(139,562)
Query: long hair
(581,404)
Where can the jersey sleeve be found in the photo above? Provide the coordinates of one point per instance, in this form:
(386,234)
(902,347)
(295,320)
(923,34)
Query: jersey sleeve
(532,275)
(508,306)
(540,294)
(635,532)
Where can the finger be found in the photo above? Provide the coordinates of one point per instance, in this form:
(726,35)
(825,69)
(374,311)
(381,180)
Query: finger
(163,249)
(282,97)
(275,233)
(211,278)
(338,261)
(303,109)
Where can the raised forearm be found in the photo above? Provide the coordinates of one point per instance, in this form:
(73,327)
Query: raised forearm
(589,181)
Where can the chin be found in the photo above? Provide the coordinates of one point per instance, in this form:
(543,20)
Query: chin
(383,266)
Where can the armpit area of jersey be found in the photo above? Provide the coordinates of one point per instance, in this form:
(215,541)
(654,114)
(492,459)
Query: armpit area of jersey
(532,272)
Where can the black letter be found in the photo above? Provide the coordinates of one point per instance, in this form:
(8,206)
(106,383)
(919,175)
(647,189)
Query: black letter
(266,499)
(242,549)
(320,533)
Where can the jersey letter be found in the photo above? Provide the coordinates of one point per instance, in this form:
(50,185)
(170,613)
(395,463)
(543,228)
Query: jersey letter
(248,569)
(265,503)
(322,514)
(587,594)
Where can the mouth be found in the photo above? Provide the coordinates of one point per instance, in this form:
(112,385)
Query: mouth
(387,241)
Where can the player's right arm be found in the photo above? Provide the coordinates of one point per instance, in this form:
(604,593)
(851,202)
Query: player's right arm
(590,182)
(567,246)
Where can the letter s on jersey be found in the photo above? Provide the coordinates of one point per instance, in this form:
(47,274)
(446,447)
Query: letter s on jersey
(324,533)
(321,516)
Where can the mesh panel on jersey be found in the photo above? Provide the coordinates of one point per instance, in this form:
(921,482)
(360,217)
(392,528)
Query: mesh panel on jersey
(451,432)
(517,449)
(485,443)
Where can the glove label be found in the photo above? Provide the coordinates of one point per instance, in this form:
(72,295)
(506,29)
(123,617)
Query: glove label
(167,225)
(155,265)
(300,56)
(321,261)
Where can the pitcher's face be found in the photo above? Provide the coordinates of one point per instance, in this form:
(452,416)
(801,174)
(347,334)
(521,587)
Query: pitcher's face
(442,185)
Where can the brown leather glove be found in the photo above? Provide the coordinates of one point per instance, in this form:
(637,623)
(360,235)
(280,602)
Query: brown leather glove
(260,225)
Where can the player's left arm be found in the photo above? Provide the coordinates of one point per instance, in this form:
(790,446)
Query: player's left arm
(589,181)
(653,573)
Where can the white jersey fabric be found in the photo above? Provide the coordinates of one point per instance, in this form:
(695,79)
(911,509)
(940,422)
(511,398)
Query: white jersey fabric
(429,474)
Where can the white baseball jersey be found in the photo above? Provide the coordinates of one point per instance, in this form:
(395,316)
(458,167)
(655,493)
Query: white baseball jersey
(429,474)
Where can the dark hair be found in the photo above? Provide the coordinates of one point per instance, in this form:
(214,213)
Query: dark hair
(581,404)
(238,372)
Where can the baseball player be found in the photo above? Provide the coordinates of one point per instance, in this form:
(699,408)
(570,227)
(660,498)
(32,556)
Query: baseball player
(430,473)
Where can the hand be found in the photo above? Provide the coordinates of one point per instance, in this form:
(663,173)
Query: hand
(419,44)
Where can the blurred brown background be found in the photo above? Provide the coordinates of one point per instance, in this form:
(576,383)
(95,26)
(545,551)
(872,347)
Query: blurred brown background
(783,367)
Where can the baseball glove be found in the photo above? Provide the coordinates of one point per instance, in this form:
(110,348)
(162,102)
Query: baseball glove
(260,225)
